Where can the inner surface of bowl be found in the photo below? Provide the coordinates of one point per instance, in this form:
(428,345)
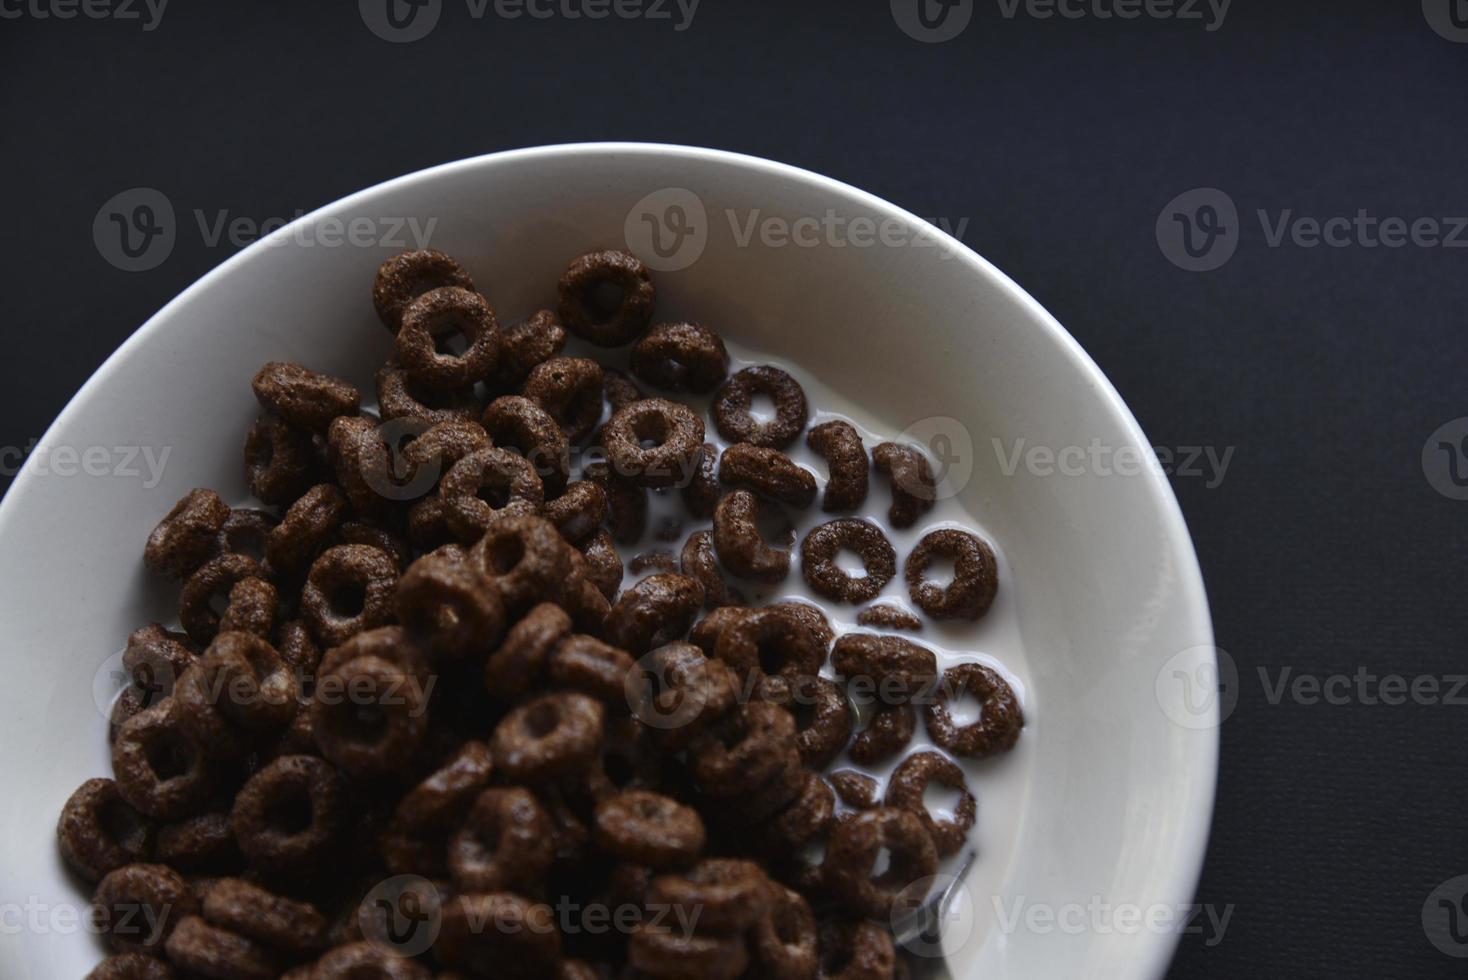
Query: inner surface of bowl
(1110,806)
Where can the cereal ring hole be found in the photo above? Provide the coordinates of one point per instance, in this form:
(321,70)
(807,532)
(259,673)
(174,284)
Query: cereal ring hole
(543,718)
(291,814)
(940,571)
(965,710)
(851,563)
(169,755)
(604,299)
(762,407)
(941,800)
(503,551)
(347,599)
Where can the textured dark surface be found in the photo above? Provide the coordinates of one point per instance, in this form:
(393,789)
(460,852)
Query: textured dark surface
(1324,369)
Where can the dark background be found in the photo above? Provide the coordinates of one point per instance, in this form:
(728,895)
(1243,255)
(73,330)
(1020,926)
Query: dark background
(1325,547)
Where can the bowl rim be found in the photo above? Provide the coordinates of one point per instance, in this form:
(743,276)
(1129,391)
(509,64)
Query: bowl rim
(1183,874)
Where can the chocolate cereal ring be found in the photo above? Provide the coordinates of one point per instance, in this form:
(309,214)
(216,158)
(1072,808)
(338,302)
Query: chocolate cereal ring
(517,423)
(218,954)
(840,445)
(199,845)
(400,397)
(655,442)
(417,834)
(588,316)
(586,664)
(505,843)
(307,527)
(887,615)
(803,819)
(184,539)
(702,491)
(136,906)
(99,832)
(448,608)
(732,413)
(823,721)
(243,678)
(911,476)
(569,389)
(680,693)
(291,815)
(742,750)
(440,446)
(910,781)
(887,733)
(488,486)
(769,473)
(252,605)
(975,576)
(784,941)
(680,357)
(818,559)
(626,502)
(302,397)
(160,770)
(1000,718)
(893,668)
(525,344)
(245,531)
(406,276)
(369,715)
(362,463)
(728,893)
(375,535)
(657,610)
(155,658)
(349,590)
(280,460)
(549,737)
(524,559)
(769,643)
(518,663)
(649,829)
(852,853)
(698,561)
(814,620)
(856,789)
(857,951)
(739,544)
(579,511)
(433,318)
(272,920)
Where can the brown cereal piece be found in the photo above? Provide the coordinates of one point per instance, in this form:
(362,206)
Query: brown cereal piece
(657,610)
(528,343)
(739,544)
(999,722)
(649,829)
(160,770)
(524,559)
(619,390)
(856,789)
(291,816)
(911,476)
(307,527)
(784,941)
(736,423)
(498,934)
(302,397)
(680,693)
(699,561)
(548,737)
(218,954)
(428,524)
(361,461)
(728,893)
(399,397)
(655,442)
(369,715)
(440,446)
(758,811)
(887,733)
(297,649)
(488,486)
(579,511)
(569,389)
(184,539)
(199,845)
(155,658)
(887,615)
(136,906)
(702,492)
(894,668)
(374,535)
(349,589)
(406,276)
(814,620)
(365,960)
(518,663)
(202,697)
(132,966)
(587,315)
(213,580)
(769,643)
(910,781)
(852,854)
(252,606)
(416,837)
(245,531)
(857,951)
(603,563)
(244,679)
(822,720)
(584,601)
(516,423)
(653,561)
(99,832)
(669,953)
(130,701)
(705,632)
(505,843)
(586,664)
(680,357)
(280,460)
(839,444)
(428,324)
(272,920)
(448,608)
(975,575)
(743,750)
(769,473)
(626,502)
(818,559)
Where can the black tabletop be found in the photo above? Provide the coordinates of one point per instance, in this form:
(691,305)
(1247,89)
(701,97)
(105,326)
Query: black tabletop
(1251,214)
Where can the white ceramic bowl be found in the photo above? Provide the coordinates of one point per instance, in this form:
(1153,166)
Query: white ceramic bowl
(1116,790)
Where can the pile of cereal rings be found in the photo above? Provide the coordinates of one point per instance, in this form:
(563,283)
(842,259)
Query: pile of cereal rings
(412,725)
